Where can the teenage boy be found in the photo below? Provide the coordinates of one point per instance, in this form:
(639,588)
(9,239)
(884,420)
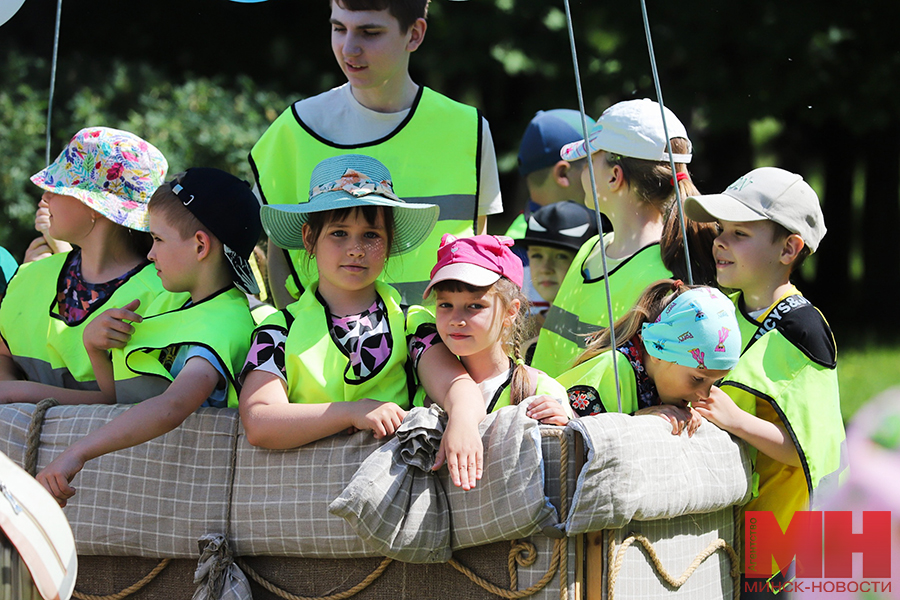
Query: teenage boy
(769,221)
(439,151)
(204,224)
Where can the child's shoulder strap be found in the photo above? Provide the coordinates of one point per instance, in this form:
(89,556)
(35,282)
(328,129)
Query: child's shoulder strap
(802,325)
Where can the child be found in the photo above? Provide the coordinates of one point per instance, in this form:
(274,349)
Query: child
(337,359)
(672,346)
(477,284)
(96,195)
(204,224)
(769,221)
(553,237)
(635,189)
(440,151)
(548,178)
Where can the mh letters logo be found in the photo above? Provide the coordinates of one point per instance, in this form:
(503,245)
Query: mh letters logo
(822,542)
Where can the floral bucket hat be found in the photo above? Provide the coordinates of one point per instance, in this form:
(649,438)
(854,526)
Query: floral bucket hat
(113,172)
(346,181)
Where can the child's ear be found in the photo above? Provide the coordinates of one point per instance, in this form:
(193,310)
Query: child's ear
(307,242)
(513,311)
(616,178)
(791,248)
(561,172)
(416,34)
(203,244)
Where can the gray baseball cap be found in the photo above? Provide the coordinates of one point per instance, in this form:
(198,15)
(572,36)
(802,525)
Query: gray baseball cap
(767,193)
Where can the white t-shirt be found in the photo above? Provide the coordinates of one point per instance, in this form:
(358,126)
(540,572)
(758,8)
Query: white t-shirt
(339,118)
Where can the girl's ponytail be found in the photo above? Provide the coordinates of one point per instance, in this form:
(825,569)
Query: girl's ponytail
(649,306)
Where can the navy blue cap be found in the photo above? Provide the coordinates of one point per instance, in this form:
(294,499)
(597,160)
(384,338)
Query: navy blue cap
(560,225)
(228,208)
(545,136)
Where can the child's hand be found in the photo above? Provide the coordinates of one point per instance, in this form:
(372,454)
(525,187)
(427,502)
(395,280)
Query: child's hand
(37,249)
(547,410)
(57,475)
(681,419)
(720,409)
(42,224)
(382,418)
(112,328)
(462,450)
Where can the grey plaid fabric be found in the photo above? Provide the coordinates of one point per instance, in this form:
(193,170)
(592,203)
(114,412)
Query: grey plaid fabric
(217,577)
(394,502)
(636,469)
(402,511)
(154,500)
(14,422)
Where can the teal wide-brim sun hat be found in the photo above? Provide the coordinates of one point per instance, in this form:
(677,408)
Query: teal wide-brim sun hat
(348,181)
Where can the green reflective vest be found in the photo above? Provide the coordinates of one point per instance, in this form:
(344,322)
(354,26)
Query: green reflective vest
(318,371)
(595,379)
(580,307)
(789,361)
(46,348)
(433,157)
(220,323)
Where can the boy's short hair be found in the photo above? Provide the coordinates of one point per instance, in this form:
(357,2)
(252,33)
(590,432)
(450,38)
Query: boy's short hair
(770,194)
(167,205)
(405,11)
(779,234)
(223,206)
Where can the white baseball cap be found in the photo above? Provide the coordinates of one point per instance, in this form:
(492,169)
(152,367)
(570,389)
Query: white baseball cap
(767,193)
(633,128)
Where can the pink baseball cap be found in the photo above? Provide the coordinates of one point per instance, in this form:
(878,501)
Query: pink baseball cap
(479,260)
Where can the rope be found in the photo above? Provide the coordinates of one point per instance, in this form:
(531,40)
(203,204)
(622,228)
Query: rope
(131,588)
(33,436)
(522,553)
(289,596)
(590,166)
(718,544)
(559,548)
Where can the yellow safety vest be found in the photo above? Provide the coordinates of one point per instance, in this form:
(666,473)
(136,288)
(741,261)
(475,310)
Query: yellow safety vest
(789,363)
(580,306)
(433,157)
(317,369)
(220,323)
(43,345)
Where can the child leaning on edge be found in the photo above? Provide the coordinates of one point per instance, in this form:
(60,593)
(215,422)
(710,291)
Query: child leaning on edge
(671,347)
(480,310)
(769,221)
(204,225)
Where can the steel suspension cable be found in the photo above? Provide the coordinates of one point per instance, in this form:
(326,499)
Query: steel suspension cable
(679,205)
(53,78)
(590,166)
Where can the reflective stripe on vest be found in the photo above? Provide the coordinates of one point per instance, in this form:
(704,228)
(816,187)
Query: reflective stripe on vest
(433,157)
(580,306)
(41,343)
(221,323)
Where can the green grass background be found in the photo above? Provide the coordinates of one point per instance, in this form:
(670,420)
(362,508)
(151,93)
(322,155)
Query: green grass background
(864,372)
